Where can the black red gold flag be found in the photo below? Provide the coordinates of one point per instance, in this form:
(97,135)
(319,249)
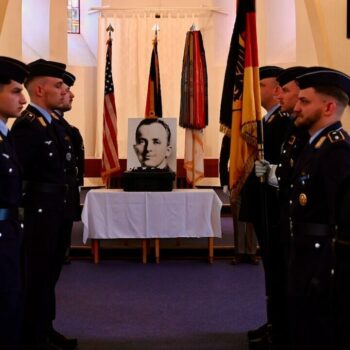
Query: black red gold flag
(241,104)
(154,94)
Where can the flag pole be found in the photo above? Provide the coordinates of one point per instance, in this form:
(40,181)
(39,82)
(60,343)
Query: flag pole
(110,155)
(109,30)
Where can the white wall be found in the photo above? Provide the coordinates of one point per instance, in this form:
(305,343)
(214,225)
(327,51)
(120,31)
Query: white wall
(320,38)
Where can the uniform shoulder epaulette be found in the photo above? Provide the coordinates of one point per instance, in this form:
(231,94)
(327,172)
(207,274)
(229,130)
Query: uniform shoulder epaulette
(336,136)
(29,116)
(33,117)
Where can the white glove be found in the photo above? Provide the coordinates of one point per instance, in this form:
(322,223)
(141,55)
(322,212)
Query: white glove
(262,168)
(225,189)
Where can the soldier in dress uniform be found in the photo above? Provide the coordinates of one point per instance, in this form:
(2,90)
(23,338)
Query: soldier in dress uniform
(287,96)
(275,124)
(12,101)
(74,165)
(321,168)
(42,157)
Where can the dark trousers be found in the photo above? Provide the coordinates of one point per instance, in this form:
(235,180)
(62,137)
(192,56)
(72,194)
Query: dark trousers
(274,257)
(310,322)
(11,302)
(341,300)
(42,220)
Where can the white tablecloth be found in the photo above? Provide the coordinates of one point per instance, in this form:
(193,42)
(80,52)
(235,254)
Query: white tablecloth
(112,214)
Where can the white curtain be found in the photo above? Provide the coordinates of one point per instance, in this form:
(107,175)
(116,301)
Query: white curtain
(132,47)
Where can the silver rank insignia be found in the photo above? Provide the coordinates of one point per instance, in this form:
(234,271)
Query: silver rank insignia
(302,199)
(69,156)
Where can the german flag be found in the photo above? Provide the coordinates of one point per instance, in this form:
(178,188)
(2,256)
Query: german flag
(242,91)
(154,95)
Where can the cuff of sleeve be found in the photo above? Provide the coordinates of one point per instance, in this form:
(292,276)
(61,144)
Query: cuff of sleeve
(272,178)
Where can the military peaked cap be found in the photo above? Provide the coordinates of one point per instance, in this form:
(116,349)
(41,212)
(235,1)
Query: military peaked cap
(13,69)
(46,68)
(322,76)
(68,78)
(269,72)
(290,74)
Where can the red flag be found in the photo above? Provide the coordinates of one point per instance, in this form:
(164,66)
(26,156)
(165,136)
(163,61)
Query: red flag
(154,95)
(110,157)
(240,107)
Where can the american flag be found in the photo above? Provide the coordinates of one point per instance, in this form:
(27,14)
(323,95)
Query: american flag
(110,158)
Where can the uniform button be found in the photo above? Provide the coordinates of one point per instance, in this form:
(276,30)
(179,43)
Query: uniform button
(291,185)
(22,225)
(50,154)
(69,147)
(40,210)
(10,170)
(332,272)
(64,201)
(317,245)
(284,151)
(279,165)
(303,182)
(290,202)
(0,234)
(279,179)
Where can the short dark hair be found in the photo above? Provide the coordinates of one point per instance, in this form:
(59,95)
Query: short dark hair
(334,92)
(149,121)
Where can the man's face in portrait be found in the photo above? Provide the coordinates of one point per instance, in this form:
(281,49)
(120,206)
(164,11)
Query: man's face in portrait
(152,148)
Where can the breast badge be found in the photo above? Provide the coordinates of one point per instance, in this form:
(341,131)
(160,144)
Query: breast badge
(302,199)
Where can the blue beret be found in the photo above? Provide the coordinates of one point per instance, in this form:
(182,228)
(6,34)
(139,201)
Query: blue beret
(12,69)
(68,78)
(322,76)
(46,68)
(269,72)
(290,74)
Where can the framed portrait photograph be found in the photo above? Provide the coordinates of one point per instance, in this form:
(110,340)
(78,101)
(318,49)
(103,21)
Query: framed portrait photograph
(152,143)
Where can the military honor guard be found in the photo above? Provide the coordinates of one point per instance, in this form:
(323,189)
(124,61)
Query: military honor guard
(74,167)
(319,171)
(276,124)
(12,101)
(42,157)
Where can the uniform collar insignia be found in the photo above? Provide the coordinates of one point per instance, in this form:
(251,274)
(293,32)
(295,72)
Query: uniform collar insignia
(319,143)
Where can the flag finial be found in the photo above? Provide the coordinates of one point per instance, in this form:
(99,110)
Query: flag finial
(156,29)
(110,29)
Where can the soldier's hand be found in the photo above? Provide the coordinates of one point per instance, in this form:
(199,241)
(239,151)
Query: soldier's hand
(262,167)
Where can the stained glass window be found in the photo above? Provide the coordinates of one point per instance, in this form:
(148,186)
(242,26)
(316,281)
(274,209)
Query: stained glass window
(73,16)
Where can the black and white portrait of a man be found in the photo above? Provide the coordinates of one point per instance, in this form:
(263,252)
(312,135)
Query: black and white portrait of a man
(152,143)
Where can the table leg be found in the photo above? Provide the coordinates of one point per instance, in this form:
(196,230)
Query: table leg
(144,251)
(95,248)
(211,249)
(156,249)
